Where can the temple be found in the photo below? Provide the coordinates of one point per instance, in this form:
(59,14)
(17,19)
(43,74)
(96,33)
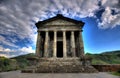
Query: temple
(59,37)
(59,47)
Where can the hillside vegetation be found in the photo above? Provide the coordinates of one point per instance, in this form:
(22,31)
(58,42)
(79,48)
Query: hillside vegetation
(7,64)
(112,57)
(19,62)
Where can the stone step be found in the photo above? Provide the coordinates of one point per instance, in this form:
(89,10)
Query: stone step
(58,59)
(30,69)
(66,69)
(61,66)
(57,63)
(60,69)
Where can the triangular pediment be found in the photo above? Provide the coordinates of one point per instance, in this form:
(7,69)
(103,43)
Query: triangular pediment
(59,20)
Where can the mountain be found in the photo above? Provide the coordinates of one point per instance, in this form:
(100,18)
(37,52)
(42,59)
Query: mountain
(22,61)
(112,52)
(110,57)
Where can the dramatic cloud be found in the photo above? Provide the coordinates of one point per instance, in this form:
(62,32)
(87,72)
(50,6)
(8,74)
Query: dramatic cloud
(18,17)
(111,16)
(6,52)
(5,41)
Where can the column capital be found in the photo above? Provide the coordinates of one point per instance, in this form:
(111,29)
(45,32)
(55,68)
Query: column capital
(38,31)
(46,31)
(55,31)
(72,32)
(63,30)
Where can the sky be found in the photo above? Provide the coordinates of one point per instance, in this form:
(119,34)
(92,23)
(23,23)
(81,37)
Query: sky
(18,32)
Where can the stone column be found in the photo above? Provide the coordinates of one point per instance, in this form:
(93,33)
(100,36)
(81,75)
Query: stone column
(38,45)
(55,44)
(73,44)
(46,44)
(64,44)
(81,44)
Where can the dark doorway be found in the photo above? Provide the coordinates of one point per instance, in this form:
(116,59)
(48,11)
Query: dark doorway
(59,49)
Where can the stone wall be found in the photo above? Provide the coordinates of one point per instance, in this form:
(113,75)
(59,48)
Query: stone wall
(107,68)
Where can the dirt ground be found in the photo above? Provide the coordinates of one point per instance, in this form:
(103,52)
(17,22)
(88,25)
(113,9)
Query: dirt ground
(18,74)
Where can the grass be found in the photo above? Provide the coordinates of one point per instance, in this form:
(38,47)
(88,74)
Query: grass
(116,73)
(105,58)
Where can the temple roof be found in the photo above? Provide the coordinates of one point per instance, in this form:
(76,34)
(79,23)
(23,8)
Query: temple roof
(58,16)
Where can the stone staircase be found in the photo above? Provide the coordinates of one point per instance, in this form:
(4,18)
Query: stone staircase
(60,65)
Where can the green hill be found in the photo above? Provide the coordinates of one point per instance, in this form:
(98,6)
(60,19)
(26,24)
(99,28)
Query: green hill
(22,61)
(19,62)
(7,64)
(112,57)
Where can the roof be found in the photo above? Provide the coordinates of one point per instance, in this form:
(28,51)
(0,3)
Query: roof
(58,16)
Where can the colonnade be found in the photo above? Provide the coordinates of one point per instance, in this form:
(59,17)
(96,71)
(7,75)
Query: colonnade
(72,44)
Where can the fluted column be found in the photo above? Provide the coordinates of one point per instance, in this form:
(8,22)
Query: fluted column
(64,44)
(46,45)
(55,44)
(73,44)
(81,44)
(38,45)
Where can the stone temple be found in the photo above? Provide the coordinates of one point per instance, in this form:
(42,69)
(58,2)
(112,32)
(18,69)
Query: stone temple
(60,48)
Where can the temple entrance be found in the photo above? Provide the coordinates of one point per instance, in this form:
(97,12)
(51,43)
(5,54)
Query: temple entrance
(59,49)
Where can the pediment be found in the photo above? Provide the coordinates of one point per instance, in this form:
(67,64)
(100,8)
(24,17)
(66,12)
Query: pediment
(60,22)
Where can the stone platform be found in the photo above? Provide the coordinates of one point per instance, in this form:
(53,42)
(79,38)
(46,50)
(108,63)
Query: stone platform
(60,65)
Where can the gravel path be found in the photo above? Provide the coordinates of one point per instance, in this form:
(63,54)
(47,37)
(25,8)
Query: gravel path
(18,74)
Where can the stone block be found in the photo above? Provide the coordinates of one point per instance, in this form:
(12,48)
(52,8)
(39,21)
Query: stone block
(61,66)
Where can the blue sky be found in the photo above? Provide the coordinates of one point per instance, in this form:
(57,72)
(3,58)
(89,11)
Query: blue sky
(18,31)
(98,40)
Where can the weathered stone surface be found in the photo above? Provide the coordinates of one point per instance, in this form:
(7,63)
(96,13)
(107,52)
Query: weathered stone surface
(59,22)
(107,68)
(60,65)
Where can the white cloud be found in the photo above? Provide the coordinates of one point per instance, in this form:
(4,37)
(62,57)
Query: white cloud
(1,48)
(4,41)
(27,49)
(7,52)
(4,55)
(109,20)
(80,8)
(18,18)
(110,3)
